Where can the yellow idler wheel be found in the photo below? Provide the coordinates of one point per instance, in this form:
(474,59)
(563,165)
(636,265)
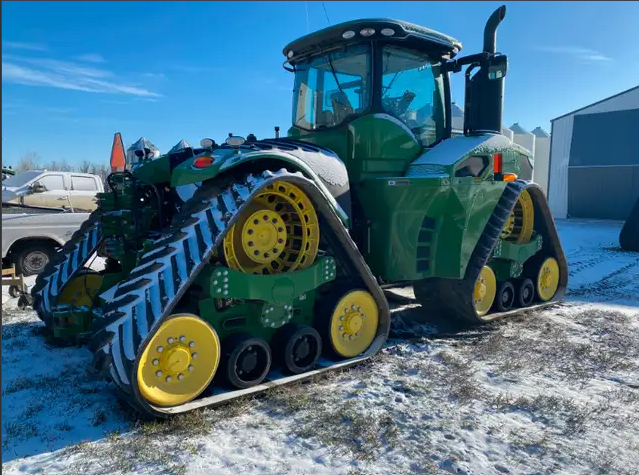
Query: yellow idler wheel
(81,290)
(548,279)
(179,362)
(353,324)
(485,291)
(519,224)
(278,232)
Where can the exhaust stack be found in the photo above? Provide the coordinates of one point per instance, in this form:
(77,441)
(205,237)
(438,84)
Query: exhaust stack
(485,89)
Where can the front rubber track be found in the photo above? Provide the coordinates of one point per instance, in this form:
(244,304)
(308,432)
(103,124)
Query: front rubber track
(147,297)
(64,264)
(454,298)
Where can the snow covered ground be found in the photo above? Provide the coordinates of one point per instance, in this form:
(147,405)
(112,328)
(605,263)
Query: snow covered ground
(551,392)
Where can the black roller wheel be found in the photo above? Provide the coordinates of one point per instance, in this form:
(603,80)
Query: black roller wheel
(14,291)
(247,361)
(505,298)
(525,293)
(301,347)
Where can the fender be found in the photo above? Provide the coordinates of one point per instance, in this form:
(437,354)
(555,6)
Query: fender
(319,164)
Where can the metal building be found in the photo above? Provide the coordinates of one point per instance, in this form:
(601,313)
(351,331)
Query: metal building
(594,159)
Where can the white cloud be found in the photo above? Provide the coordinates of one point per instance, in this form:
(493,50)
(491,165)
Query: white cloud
(27,46)
(584,54)
(91,58)
(66,75)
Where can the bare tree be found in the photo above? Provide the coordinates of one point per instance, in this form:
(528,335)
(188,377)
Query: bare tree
(61,166)
(29,161)
(101,170)
(84,167)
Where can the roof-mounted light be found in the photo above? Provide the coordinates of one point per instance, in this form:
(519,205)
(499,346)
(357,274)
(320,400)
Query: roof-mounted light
(207,143)
(367,32)
(387,32)
(235,141)
(347,35)
(289,55)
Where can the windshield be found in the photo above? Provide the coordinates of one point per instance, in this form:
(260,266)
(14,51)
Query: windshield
(412,91)
(20,179)
(325,96)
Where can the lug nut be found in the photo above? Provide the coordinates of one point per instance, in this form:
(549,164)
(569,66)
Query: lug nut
(160,349)
(191,344)
(180,376)
(342,318)
(182,338)
(341,328)
(169,379)
(156,362)
(194,355)
(170,340)
(190,368)
(158,373)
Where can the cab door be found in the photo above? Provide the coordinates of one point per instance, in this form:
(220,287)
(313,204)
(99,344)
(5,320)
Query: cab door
(48,190)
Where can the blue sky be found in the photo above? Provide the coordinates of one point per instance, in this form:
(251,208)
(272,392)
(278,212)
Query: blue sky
(73,73)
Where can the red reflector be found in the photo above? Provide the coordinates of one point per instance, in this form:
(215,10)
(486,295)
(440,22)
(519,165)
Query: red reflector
(203,162)
(497,163)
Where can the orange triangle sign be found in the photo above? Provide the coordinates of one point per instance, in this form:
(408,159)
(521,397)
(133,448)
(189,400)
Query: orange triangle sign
(118,156)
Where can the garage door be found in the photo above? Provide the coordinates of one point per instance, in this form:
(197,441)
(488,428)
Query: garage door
(603,172)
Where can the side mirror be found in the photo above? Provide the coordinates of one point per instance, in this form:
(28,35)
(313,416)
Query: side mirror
(38,188)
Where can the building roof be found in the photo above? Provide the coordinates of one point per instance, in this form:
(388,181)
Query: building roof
(456,110)
(595,103)
(541,133)
(518,129)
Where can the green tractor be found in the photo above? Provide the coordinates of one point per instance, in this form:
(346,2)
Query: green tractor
(237,267)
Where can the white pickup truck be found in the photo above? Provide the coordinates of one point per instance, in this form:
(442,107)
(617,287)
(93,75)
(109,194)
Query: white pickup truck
(56,189)
(30,239)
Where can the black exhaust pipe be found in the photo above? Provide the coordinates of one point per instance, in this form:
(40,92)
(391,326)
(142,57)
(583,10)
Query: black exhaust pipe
(485,89)
(490,30)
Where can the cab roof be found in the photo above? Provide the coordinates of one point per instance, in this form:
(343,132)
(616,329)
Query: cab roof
(408,34)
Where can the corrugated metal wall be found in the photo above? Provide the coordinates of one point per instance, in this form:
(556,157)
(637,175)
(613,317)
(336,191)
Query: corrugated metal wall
(561,138)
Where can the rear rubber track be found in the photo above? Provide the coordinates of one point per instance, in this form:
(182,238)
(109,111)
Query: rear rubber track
(64,264)
(147,297)
(454,298)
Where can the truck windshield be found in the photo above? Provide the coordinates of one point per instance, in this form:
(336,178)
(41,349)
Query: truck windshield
(325,96)
(412,91)
(20,179)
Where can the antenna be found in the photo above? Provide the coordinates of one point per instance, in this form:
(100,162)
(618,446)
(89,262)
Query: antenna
(327,18)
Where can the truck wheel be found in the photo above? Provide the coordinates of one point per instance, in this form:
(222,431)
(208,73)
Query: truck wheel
(31,260)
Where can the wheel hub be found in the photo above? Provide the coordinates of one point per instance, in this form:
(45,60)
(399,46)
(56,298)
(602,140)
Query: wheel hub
(302,348)
(264,236)
(480,290)
(248,361)
(176,360)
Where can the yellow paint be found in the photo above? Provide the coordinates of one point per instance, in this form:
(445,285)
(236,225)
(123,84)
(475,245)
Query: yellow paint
(485,291)
(179,362)
(548,279)
(278,232)
(353,324)
(80,290)
(520,222)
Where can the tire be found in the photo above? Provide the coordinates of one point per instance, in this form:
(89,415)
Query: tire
(32,259)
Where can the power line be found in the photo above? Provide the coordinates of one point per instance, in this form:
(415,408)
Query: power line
(327,18)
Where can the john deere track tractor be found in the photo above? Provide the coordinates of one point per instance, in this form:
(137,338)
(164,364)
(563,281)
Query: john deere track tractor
(235,267)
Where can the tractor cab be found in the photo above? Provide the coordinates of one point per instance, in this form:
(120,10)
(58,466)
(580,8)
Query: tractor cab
(362,84)
(366,67)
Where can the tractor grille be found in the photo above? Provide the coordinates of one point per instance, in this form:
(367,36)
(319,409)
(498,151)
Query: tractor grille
(424,242)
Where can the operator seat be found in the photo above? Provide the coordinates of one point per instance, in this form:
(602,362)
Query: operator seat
(342,107)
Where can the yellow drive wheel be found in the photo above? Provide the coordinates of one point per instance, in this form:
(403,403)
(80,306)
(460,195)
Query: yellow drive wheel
(353,324)
(548,279)
(278,232)
(485,291)
(179,362)
(81,290)
(519,224)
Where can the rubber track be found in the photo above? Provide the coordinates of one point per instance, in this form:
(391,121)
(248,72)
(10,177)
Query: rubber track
(450,297)
(64,265)
(146,298)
